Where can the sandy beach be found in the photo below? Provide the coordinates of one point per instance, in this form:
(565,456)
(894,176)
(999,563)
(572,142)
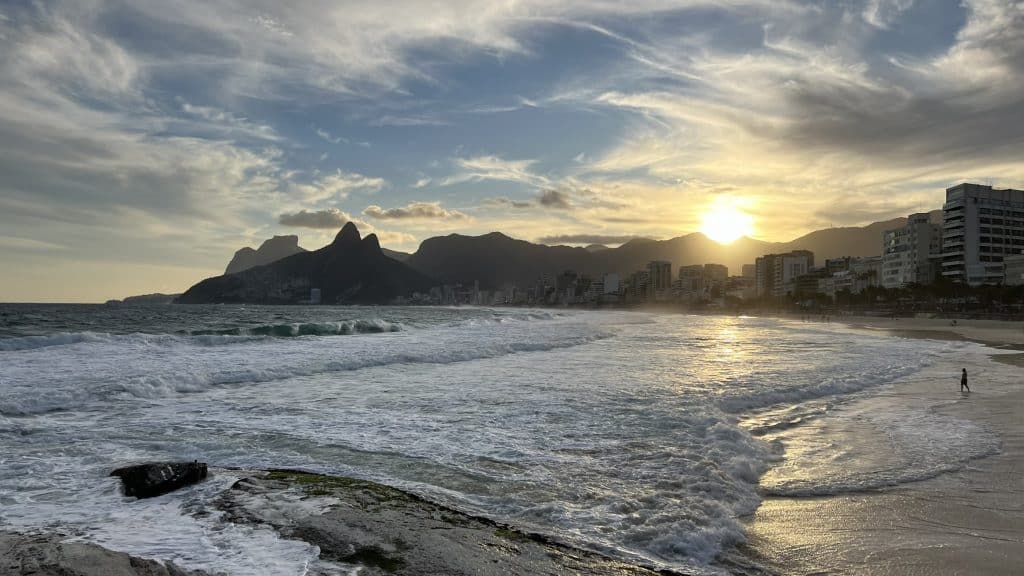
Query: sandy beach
(969,520)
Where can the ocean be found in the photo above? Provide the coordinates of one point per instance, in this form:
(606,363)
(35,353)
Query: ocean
(644,436)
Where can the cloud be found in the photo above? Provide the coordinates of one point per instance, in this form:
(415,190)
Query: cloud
(881,13)
(230,123)
(554,199)
(336,186)
(326,136)
(422,183)
(414,210)
(587,239)
(331,218)
(502,202)
(482,168)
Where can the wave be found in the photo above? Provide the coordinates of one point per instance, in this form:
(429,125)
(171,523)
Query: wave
(292,330)
(194,380)
(59,339)
(163,386)
(205,337)
(234,334)
(767,395)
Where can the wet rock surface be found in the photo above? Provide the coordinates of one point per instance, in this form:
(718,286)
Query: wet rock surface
(46,555)
(156,478)
(386,531)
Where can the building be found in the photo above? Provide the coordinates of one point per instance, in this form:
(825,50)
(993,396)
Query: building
(861,273)
(841,264)
(907,252)
(1013,269)
(980,226)
(776,273)
(610,284)
(691,281)
(636,286)
(659,279)
(715,278)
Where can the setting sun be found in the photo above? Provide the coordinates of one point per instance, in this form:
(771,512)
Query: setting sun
(724,224)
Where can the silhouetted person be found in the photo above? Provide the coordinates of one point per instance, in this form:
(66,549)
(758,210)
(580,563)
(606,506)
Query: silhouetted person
(963,381)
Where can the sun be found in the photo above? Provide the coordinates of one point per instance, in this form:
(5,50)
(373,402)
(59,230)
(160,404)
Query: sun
(725,223)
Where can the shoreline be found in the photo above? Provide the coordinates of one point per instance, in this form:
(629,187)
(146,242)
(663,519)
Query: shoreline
(969,520)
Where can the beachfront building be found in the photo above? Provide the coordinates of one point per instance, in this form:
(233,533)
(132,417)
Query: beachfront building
(907,252)
(715,278)
(659,279)
(776,273)
(981,225)
(691,281)
(861,274)
(1013,269)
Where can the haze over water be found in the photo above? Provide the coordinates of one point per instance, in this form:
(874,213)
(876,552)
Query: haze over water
(642,436)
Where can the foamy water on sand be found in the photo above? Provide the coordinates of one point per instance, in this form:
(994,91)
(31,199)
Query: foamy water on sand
(642,436)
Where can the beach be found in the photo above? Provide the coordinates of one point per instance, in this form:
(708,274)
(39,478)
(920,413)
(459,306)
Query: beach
(964,521)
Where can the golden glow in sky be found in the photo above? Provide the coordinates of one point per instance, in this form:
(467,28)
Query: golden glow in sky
(725,223)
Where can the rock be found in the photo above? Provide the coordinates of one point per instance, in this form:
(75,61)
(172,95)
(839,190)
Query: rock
(384,531)
(47,555)
(154,479)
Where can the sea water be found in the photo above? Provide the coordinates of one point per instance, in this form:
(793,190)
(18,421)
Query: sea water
(643,436)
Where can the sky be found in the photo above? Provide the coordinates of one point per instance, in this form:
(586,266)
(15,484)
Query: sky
(142,142)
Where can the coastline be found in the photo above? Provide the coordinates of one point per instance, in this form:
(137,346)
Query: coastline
(968,520)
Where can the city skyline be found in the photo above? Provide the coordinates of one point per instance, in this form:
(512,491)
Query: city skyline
(143,144)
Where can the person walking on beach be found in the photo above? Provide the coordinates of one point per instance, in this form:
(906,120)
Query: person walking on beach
(963,381)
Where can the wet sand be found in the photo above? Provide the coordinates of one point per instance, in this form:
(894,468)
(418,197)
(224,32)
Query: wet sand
(970,521)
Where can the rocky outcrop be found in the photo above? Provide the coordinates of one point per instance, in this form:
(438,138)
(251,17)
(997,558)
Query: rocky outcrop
(349,270)
(154,479)
(384,531)
(46,555)
(271,250)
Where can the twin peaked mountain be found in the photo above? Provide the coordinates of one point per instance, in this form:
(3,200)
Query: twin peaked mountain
(354,270)
(349,270)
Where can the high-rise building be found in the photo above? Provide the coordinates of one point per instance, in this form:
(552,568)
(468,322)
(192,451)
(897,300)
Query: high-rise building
(776,273)
(980,226)
(907,252)
(610,284)
(691,280)
(659,279)
(715,278)
(1013,267)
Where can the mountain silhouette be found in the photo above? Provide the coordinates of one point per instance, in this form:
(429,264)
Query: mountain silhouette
(271,250)
(349,270)
(495,260)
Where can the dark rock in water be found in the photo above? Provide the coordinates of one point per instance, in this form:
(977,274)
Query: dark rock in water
(154,479)
(49,555)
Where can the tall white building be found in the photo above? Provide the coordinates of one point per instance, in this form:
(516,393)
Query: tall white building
(980,226)
(906,252)
(776,273)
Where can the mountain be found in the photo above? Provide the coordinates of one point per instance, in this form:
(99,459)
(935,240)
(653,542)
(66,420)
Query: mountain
(395,254)
(350,270)
(271,250)
(595,247)
(496,260)
(147,299)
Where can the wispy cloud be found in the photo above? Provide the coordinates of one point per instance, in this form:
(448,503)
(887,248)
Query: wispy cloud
(482,168)
(335,186)
(415,211)
(326,136)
